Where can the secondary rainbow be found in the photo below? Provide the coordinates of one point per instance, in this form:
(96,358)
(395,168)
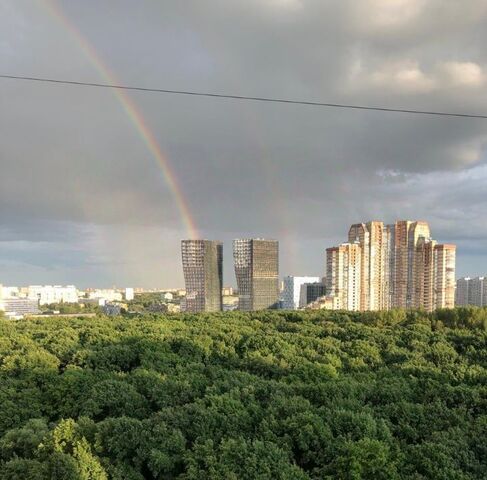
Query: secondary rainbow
(134,114)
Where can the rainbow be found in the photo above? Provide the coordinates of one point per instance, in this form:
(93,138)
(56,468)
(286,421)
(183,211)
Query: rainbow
(134,114)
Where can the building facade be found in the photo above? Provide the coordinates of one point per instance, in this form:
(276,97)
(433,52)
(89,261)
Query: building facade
(256,264)
(49,294)
(17,307)
(471,291)
(400,267)
(291,293)
(344,274)
(203,275)
(374,240)
(310,292)
(444,275)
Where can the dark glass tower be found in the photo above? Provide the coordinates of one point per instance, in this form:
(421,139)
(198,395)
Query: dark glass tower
(257,272)
(203,275)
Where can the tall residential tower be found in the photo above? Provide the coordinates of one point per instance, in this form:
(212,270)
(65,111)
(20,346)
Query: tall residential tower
(391,266)
(203,274)
(257,272)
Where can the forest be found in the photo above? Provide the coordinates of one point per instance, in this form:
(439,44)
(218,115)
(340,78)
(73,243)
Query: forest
(230,396)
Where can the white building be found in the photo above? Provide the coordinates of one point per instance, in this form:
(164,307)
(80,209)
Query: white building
(109,294)
(292,290)
(129,294)
(48,294)
(8,292)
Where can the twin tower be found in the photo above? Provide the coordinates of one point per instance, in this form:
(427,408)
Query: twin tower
(256,268)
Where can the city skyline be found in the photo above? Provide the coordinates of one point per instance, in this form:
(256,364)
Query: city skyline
(356,237)
(96,183)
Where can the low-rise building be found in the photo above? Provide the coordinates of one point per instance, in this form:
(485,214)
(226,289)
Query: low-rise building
(328,302)
(49,294)
(15,307)
(108,294)
(112,309)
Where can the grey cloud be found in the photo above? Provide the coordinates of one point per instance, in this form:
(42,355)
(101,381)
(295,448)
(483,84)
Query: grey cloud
(72,157)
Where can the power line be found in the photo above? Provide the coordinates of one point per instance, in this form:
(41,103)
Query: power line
(245,98)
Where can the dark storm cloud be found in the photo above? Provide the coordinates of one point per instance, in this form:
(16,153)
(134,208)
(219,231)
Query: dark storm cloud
(71,155)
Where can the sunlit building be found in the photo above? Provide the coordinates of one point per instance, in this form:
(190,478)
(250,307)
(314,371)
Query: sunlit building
(444,281)
(400,267)
(257,271)
(407,236)
(203,275)
(49,294)
(374,240)
(344,274)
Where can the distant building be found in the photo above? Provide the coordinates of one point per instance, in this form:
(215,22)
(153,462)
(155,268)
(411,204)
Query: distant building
(227,291)
(344,274)
(15,307)
(310,292)
(49,294)
(107,294)
(291,294)
(462,294)
(472,291)
(257,271)
(129,294)
(99,302)
(112,309)
(391,266)
(8,292)
(324,303)
(203,275)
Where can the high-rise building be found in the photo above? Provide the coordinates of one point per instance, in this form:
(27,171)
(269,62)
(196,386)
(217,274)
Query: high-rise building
(257,272)
(390,265)
(344,274)
(424,275)
(310,292)
(203,275)
(471,291)
(291,293)
(444,276)
(400,266)
(374,241)
(407,235)
(462,297)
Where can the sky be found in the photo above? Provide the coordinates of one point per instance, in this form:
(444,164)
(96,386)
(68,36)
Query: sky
(84,200)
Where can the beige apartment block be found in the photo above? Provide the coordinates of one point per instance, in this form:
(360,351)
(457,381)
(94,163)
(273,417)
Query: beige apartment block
(374,240)
(445,259)
(424,275)
(407,236)
(391,266)
(343,275)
